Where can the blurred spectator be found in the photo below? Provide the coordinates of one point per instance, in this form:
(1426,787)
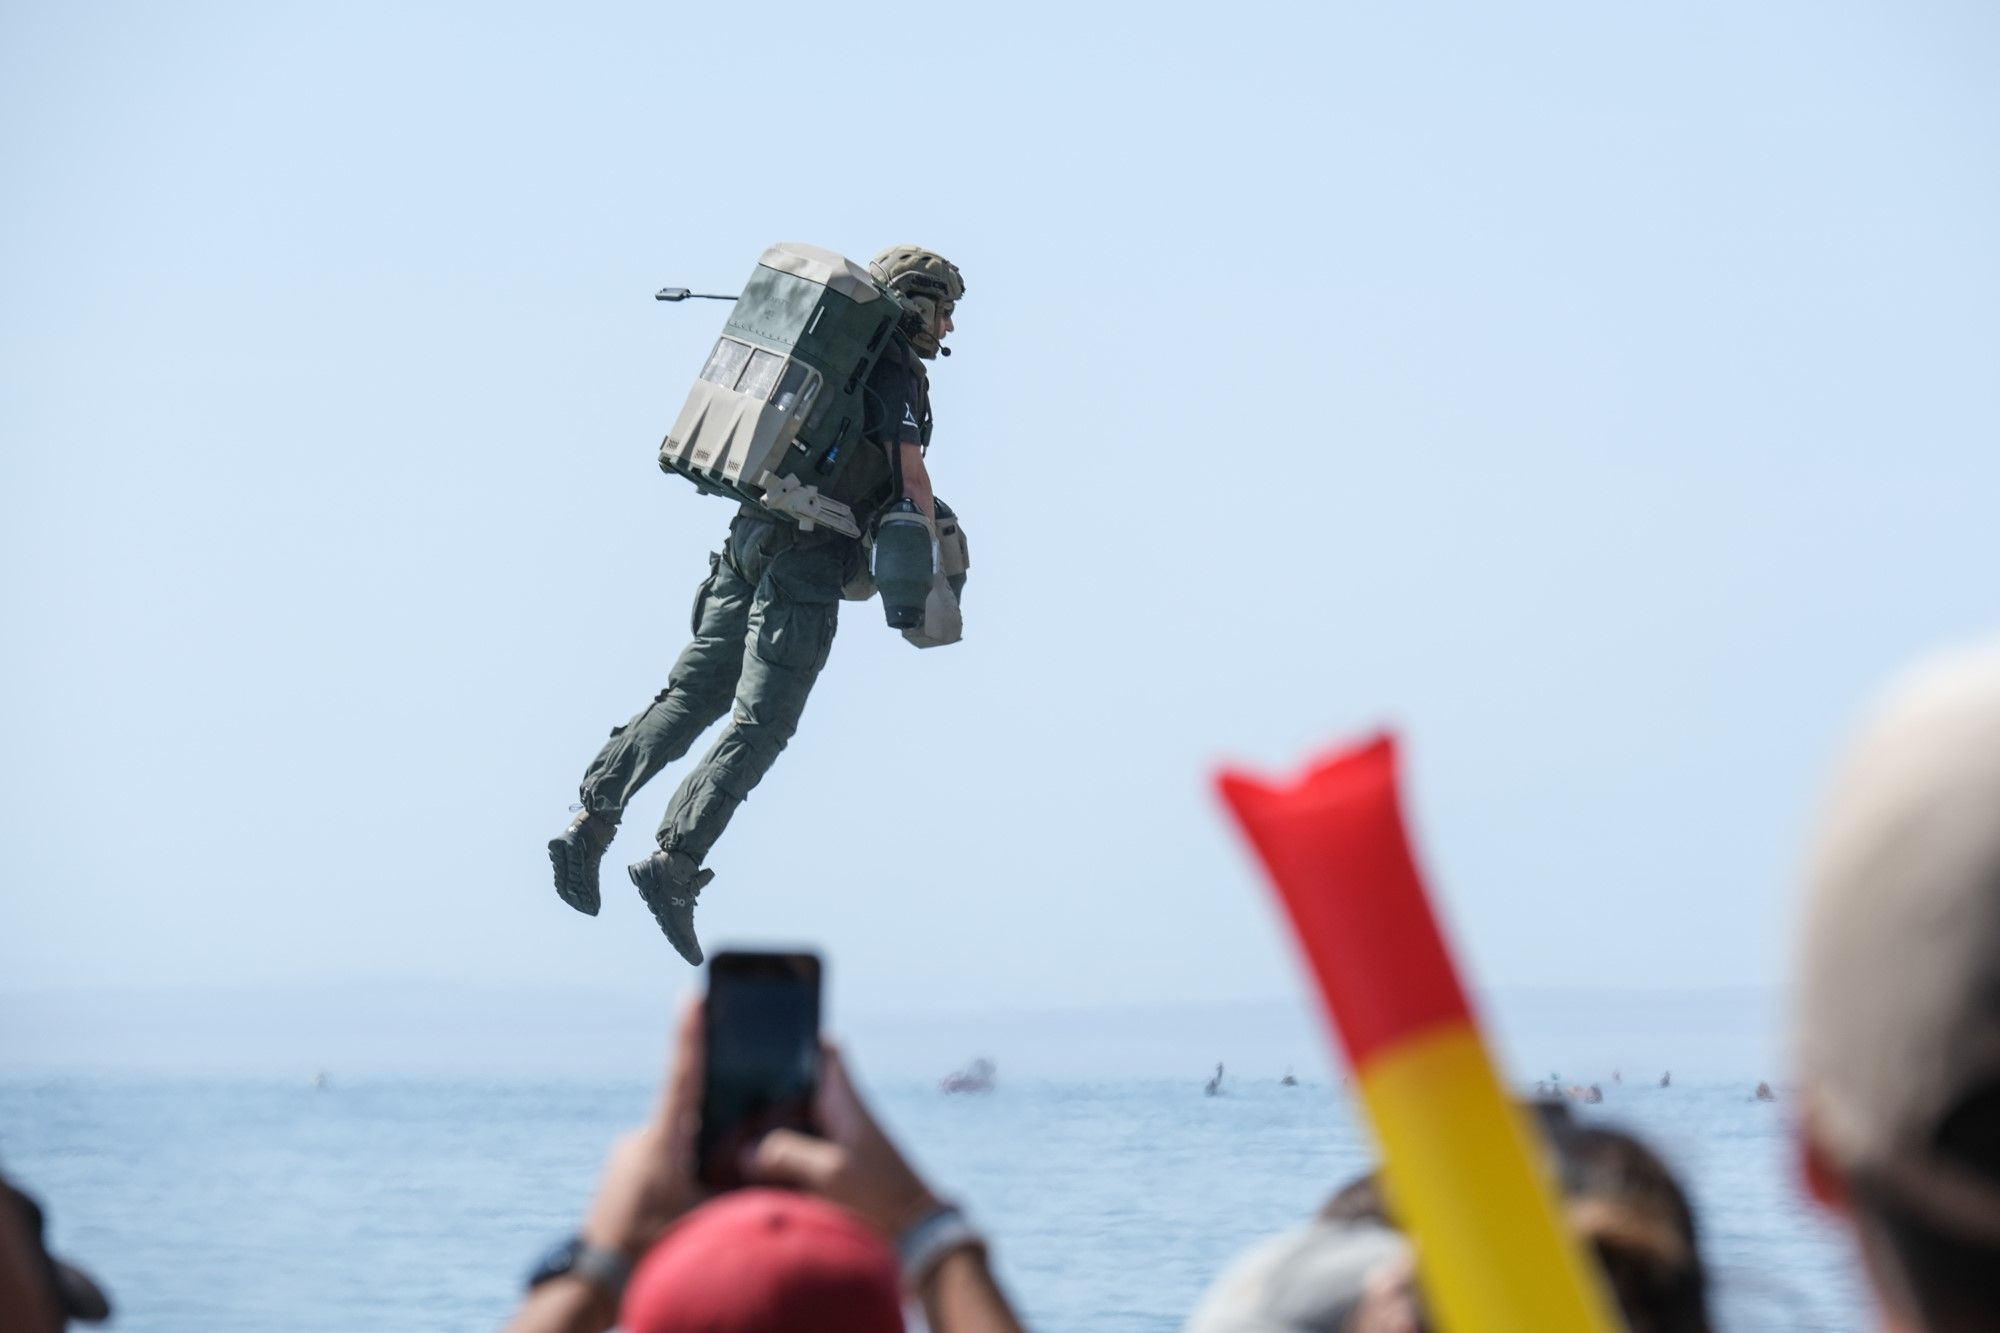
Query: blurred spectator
(39,1293)
(1627,1206)
(856,1232)
(767,1259)
(1310,1280)
(1899,999)
(1350,1271)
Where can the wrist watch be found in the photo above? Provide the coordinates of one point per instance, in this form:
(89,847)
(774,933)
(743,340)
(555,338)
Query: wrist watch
(932,1237)
(606,1270)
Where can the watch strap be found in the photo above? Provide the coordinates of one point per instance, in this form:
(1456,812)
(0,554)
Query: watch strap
(606,1270)
(933,1236)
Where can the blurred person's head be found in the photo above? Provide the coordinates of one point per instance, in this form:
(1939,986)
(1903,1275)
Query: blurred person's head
(39,1292)
(1619,1197)
(766,1261)
(1625,1204)
(1899,997)
(1309,1280)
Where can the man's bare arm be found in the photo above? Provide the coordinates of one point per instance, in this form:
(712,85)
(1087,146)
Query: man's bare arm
(917,479)
(961,1296)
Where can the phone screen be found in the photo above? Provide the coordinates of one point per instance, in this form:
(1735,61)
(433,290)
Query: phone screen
(761,1024)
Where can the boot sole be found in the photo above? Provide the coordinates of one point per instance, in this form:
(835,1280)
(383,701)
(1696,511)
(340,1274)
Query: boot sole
(571,886)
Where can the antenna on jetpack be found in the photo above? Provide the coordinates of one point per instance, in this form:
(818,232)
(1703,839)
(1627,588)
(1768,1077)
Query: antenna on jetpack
(683,294)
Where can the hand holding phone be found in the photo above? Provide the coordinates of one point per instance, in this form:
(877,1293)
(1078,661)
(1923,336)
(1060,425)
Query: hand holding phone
(761,1057)
(648,1181)
(851,1160)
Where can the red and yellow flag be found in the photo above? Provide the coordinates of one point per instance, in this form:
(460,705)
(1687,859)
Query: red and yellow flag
(1461,1166)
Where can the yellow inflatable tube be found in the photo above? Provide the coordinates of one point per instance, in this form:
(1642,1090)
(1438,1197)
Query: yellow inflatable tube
(1465,1173)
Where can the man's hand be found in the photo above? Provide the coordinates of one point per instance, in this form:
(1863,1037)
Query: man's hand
(855,1165)
(649,1177)
(648,1183)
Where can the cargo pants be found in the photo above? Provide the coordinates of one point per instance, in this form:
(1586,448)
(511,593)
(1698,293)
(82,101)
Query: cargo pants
(763,624)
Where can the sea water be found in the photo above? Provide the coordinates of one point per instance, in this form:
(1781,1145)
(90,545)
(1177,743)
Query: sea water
(216,1205)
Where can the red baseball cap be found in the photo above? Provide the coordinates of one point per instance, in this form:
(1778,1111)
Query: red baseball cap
(766,1261)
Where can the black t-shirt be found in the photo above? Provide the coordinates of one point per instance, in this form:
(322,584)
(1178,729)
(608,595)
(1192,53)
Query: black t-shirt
(898,408)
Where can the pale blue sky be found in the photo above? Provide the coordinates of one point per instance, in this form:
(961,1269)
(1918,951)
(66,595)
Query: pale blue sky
(1603,394)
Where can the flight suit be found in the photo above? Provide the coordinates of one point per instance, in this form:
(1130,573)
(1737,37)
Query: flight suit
(763,625)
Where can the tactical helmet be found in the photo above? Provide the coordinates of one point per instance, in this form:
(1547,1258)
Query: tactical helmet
(927,284)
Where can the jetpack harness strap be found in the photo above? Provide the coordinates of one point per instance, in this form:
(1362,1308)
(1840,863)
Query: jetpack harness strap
(804,505)
(775,419)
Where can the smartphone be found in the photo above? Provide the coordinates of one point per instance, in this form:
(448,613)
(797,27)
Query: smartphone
(761,1037)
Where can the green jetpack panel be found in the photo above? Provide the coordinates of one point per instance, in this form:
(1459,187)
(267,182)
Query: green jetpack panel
(777,413)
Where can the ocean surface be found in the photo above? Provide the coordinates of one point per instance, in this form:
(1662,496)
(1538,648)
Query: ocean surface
(221,1205)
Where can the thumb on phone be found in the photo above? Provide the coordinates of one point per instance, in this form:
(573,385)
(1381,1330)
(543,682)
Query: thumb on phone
(787,1157)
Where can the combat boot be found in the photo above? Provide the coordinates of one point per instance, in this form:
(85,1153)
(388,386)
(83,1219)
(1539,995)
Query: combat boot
(575,854)
(670,882)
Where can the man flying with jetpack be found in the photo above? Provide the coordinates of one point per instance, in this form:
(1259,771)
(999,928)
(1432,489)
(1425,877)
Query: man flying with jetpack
(813,411)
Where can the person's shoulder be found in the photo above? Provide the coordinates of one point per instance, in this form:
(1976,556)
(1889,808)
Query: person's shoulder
(901,358)
(1310,1277)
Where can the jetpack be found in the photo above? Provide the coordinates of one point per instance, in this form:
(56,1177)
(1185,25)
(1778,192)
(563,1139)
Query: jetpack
(777,412)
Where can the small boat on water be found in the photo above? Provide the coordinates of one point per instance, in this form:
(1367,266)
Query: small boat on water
(1214,1085)
(979,1076)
